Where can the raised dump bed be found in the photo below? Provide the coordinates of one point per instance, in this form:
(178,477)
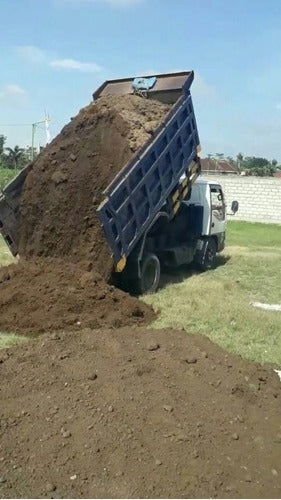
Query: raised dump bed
(9,210)
(152,178)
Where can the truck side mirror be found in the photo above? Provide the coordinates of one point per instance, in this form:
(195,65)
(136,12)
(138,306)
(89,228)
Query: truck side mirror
(234,206)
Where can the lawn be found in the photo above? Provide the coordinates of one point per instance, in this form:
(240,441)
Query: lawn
(217,303)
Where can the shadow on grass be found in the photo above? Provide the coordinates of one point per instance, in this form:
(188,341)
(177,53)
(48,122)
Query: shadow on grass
(180,274)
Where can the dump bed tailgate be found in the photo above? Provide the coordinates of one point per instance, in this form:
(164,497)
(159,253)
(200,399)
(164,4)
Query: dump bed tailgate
(143,186)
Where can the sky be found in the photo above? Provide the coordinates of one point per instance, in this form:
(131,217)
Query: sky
(55,53)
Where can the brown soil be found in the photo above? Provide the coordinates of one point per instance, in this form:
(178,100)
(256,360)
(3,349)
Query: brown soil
(136,413)
(49,294)
(66,184)
(59,221)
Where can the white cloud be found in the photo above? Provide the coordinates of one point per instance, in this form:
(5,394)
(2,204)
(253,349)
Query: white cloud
(31,53)
(35,55)
(72,64)
(12,94)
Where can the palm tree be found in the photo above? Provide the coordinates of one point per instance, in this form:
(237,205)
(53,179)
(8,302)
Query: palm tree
(239,158)
(14,155)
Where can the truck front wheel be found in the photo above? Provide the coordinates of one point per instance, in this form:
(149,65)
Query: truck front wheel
(149,279)
(209,255)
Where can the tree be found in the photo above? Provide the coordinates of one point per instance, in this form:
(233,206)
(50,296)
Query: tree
(231,161)
(274,163)
(2,143)
(15,156)
(258,166)
(239,159)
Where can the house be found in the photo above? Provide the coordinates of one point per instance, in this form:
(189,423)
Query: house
(211,166)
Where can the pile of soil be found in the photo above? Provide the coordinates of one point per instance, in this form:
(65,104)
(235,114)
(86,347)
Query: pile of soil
(65,186)
(49,294)
(133,413)
(58,221)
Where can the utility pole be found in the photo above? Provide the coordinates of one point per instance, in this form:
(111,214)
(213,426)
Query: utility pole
(33,130)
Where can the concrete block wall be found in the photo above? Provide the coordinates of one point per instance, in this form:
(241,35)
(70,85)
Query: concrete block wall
(259,197)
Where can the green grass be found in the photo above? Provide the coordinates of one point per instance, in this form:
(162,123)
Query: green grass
(5,254)
(253,235)
(6,175)
(218,303)
(10,339)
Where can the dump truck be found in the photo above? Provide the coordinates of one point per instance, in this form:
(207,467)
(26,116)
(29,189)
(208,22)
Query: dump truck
(156,213)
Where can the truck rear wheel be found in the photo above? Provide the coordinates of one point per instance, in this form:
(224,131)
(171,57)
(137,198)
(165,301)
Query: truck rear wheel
(149,279)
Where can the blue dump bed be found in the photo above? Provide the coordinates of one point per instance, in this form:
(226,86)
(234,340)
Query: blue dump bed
(153,177)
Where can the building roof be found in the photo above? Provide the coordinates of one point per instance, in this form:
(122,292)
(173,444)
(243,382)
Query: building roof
(218,166)
(277,174)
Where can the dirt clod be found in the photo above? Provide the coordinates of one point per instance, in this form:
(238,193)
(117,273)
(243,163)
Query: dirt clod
(50,487)
(152,346)
(168,408)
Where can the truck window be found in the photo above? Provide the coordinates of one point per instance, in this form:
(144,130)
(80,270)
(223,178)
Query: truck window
(217,201)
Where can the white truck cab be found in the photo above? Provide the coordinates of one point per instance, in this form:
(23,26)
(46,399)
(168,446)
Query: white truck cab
(209,195)
(194,235)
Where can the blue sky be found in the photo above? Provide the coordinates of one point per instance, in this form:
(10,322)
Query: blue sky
(54,53)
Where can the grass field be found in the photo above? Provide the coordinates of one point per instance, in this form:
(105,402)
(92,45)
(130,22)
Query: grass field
(6,175)
(218,303)
(5,255)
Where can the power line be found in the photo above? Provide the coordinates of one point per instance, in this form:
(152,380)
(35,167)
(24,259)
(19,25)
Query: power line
(15,124)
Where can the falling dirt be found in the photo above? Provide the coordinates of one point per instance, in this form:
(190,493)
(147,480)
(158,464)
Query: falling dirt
(133,413)
(65,186)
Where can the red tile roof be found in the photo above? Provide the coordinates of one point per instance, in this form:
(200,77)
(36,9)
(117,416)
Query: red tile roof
(220,166)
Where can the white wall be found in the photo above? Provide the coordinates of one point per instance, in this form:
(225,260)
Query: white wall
(259,197)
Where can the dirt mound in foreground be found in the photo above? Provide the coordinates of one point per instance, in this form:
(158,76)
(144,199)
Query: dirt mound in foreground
(65,186)
(136,413)
(49,294)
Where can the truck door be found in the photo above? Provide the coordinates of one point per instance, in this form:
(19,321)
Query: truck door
(217,210)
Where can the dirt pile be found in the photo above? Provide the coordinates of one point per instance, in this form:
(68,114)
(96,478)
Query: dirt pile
(58,221)
(65,186)
(49,294)
(136,413)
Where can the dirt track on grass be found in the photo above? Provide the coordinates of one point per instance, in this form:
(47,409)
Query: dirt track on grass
(136,413)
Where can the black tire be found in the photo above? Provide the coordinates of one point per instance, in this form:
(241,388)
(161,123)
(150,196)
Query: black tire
(209,255)
(149,279)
